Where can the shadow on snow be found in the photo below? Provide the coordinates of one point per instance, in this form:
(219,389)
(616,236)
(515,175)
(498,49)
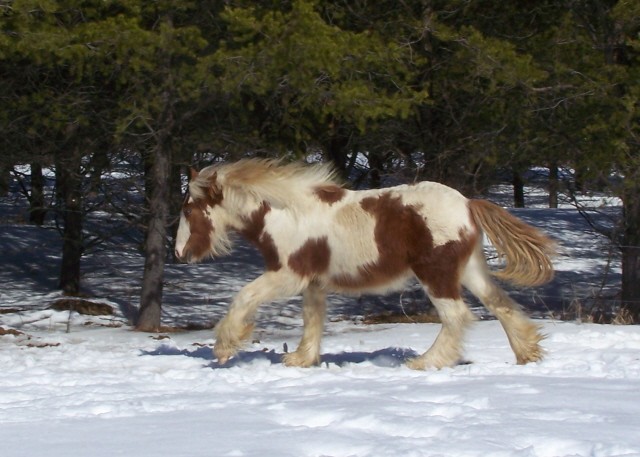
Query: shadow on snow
(388,357)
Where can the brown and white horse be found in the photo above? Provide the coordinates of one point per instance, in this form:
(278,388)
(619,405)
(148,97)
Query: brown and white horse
(318,237)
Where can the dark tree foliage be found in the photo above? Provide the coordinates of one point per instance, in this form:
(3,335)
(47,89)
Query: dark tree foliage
(449,90)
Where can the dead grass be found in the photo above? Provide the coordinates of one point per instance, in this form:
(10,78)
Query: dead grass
(82,306)
(42,345)
(623,317)
(25,340)
(10,331)
(9,310)
(597,310)
(181,328)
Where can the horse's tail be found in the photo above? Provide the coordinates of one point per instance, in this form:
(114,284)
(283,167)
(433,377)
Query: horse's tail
(527,250)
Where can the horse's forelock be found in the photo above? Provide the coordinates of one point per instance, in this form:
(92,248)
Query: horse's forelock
(195,192)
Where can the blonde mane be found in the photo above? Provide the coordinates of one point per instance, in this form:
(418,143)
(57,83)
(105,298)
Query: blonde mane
(265,180)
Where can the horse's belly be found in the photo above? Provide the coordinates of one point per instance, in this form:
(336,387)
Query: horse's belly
(370,283)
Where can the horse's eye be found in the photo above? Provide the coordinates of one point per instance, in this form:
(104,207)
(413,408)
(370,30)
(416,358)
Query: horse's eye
(187,212)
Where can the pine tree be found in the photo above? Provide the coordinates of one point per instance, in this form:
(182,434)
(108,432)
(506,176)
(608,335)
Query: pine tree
(56,105)
(309,83)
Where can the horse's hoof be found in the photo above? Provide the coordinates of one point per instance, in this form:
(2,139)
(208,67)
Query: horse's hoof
(222,360)
(223,355)
(535,355)
(422,364)
(293,359)
(417,363)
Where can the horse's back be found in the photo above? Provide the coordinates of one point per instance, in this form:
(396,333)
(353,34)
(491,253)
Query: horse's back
(443,209)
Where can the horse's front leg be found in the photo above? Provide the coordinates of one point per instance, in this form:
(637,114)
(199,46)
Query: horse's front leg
(237,325)
(314,307)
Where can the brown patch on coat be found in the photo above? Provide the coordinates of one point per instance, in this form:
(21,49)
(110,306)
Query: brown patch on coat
(329,193)
(312,259)
(253,231)
(441,270)
(212,192)
(405,243)
(200,228)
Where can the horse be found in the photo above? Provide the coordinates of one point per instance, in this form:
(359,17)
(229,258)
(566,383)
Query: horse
(318,237)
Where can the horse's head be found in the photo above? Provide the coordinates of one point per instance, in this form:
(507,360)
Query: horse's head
(203,223)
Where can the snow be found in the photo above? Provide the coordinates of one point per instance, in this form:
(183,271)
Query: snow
(110,391)
(76,385)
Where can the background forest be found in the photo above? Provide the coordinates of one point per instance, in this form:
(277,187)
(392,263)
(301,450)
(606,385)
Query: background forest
(458,91)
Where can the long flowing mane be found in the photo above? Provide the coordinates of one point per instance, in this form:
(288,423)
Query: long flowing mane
(281,184)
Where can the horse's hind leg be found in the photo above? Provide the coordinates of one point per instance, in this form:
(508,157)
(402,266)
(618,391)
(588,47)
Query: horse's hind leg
(446,350)
(313,313)
(524,336)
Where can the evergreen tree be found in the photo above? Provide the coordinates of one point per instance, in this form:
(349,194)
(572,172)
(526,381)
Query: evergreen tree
(164,78)
(57,106)
(308,83)
(607,110)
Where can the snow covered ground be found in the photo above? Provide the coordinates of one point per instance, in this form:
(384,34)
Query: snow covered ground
(109,391)
(73,385)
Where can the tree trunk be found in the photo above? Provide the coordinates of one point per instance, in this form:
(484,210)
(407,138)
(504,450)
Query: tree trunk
(336,148)
(156,240)
(5,179)
(518,190)
(554,185)
(69,186)
(376,165)
(631,256)
(37,211)
(99,163)
(175,199)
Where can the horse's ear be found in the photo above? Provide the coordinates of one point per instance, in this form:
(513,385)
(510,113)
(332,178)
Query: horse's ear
(215,189)
(193,173)
(213,179)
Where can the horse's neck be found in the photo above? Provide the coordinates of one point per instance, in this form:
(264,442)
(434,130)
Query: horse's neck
(244,209)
